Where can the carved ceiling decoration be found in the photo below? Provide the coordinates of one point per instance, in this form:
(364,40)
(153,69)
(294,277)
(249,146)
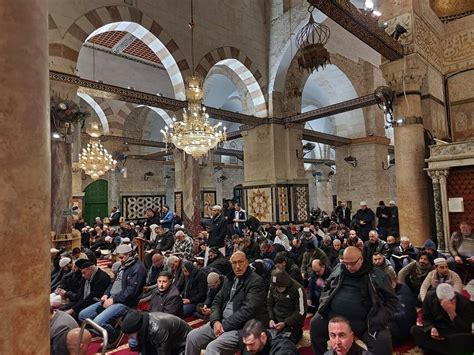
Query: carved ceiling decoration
(453,9)
(350,18)
(122,43)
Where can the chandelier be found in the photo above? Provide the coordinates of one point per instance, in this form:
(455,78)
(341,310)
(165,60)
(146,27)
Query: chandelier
(311,40)
(94,159)
(194,133)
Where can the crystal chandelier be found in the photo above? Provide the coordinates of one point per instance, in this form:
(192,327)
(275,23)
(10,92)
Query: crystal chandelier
(94,159)
(194,134)
(311,40)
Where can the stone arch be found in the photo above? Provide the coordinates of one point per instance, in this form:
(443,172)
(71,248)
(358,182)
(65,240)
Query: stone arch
(130,19)
(100,107)
(244,67)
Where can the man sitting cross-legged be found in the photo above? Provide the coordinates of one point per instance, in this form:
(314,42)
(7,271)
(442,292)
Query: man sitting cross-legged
(239,300)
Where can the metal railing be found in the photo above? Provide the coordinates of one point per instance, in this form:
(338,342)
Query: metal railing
(105,336)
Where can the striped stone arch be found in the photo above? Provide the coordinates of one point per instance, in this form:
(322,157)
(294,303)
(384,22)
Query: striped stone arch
(118,121)
(101,108)
(244,67)
(132,20)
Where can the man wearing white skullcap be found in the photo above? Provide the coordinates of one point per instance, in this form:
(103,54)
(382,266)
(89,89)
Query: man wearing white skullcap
(441,274)
(447,320)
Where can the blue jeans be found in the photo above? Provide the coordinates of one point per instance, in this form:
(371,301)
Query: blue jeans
(102,316)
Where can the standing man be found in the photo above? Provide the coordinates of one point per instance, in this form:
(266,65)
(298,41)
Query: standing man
(383,214)
(167,217)
(343,214)
(218,230)
(375,245)
(114,216)
(364,220)
(363,295)
(240,218)
(229,215)
(239,300)
(394,225)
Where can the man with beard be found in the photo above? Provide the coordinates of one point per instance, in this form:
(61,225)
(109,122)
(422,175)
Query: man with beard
(353,240)
(341,338)
(363,295)
(379,261)
(461,248)
(364,220)
(375,245)
(283,263)
(120,296)
(218,262)
(441,274)
(166,297)
(415,273)
(218,230)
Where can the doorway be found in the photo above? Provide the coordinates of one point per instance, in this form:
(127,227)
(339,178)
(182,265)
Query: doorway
(96,201)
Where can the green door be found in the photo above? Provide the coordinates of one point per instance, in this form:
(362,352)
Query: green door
(96,200)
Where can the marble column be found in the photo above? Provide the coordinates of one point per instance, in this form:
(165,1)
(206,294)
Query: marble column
(407,76)
(188,182)
(444,205)
(25,155)
(435,177)
(114,189)
(61,181)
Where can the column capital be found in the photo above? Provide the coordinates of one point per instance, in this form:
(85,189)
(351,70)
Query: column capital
(438,175)
(406,74)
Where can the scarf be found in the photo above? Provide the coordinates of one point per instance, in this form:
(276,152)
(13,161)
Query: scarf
(87,285)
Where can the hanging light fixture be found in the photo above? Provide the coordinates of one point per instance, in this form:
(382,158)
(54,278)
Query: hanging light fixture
(194,133)
(94,159)
(311,40)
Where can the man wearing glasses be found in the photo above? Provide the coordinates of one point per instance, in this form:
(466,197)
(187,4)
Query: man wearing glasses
(361,294)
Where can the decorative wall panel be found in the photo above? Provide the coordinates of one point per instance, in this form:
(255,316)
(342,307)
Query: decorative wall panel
(134,207)
(259,203)
(283,205)
(208,199)
(460,183)
(178,203)
(300,198)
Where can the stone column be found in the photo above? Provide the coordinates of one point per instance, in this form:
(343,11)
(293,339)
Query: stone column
(444,206)
(25,177)
(114,189)
(61,181)
(435,177)
(412,182)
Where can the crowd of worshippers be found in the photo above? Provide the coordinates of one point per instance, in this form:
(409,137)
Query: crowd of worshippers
(365,288)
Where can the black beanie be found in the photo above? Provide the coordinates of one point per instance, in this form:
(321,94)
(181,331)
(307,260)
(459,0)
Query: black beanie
(132,322)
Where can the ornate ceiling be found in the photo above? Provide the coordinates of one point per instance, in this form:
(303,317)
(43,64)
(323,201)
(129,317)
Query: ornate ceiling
(452,8)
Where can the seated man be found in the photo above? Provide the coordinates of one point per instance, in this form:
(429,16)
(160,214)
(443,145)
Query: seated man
(461,248)
(317,281)
(183,245)
(255,339)
(164,239)
(239,300)
(65,267)
(175,266)
(64,335)
(93,285)
(415,273)
(404,254)
(383,264)
(120,296)
(309,255)
(194,290)
(363,295)
(286,305)
(156,333)
(157,266)
(218,262)
(166,298)
(214,285)
(282,262)
(341,338)
(447,323)
(441,274)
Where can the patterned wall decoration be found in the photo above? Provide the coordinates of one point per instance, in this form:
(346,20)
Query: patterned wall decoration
(208,199)
(300,198)
(259,203)
(178,204)
(133,207)
(459,184)
(283,204)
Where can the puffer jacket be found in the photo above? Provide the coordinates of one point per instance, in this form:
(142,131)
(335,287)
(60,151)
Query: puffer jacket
(249,301)
(383,298)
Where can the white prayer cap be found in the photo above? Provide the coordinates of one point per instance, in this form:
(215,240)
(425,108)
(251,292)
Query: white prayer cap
(54,250)
(217,207)
(64,261)
(392,202)
(363,203)
(108,238)
(55,300)
(445,292)
(123,249)
(212,277)
(439,261)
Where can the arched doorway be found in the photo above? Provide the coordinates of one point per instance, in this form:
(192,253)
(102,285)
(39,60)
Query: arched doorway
(96,198)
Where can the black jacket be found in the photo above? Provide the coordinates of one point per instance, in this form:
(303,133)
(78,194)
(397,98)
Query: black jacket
(165,242)
(221,264)
(277,344)
(383,299)
(133,280)
(380,246)
(249,301)
(169,301)
(368,217)
(98,285)
(384,222)
(435,316)
(218,232)
(164,334)
(212,292)
(195,286)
